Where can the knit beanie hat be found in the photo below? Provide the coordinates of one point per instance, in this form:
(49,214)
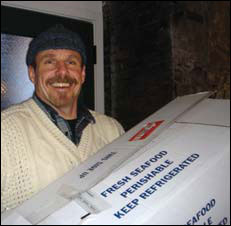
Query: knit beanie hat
(56,37)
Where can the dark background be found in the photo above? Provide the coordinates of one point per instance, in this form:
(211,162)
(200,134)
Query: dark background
(158,50)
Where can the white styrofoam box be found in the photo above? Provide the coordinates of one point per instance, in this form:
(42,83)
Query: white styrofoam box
(173,193)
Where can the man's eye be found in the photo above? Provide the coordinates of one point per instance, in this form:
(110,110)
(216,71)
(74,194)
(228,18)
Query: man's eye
(72,62)
(49,61)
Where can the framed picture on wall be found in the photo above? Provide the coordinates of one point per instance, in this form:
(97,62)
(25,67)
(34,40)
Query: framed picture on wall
(18,27)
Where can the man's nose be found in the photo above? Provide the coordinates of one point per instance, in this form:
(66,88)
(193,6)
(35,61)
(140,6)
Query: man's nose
(61,68)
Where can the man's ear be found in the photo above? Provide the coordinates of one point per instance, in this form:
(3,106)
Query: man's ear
(31,72)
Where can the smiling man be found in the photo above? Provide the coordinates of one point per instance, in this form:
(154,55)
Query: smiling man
(49,134)
(58,78)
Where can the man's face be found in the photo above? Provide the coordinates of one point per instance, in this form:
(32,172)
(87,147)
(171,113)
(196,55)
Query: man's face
(58,77)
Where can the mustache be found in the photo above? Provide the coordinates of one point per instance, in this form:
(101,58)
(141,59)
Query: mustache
(59,79)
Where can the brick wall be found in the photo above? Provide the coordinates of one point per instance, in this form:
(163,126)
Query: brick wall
(200,37)
(155,51)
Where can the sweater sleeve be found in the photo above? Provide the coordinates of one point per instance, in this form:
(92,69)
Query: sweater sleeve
(3,170)
(3,180)
(107,127)
(116,127)
(16,173)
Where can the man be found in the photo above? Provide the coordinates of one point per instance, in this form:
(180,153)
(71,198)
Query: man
(49,134)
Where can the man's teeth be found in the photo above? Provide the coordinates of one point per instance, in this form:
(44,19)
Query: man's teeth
(61,85)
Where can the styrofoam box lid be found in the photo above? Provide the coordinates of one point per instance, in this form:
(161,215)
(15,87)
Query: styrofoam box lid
(210,112)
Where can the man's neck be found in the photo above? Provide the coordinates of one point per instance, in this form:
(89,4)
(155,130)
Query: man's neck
(68,113)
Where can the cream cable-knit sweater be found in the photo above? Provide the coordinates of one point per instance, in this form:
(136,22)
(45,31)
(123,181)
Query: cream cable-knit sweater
(34,152)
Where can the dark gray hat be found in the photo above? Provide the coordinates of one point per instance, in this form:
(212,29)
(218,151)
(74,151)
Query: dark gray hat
(56,37)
